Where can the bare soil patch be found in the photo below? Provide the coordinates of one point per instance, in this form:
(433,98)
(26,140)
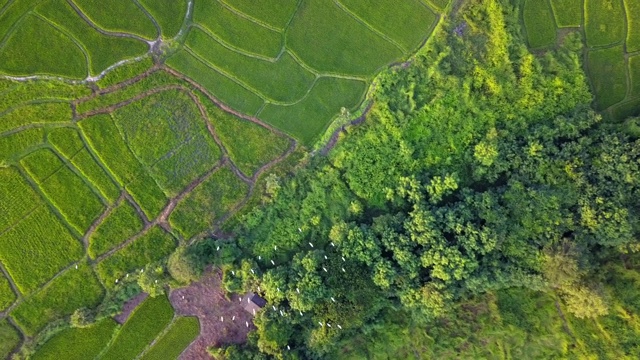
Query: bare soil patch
(222,321)
(129,306)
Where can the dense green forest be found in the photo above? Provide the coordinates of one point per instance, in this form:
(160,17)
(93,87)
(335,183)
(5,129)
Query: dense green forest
(483,210)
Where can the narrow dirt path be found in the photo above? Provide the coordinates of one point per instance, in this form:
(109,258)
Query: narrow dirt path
(129,306)
(336,134)
(222,321)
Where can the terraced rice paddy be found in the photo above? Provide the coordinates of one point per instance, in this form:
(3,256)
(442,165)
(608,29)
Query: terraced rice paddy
(610,30)
(129,129)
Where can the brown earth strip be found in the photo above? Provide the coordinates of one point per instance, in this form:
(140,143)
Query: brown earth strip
(129,307)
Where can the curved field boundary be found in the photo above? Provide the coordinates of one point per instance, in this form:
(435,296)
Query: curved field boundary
(250,18)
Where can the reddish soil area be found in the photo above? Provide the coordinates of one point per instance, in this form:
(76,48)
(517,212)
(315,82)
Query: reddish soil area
(129,306)
(205,299)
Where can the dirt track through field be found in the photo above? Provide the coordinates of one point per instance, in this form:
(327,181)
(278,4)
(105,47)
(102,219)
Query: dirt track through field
(222,321)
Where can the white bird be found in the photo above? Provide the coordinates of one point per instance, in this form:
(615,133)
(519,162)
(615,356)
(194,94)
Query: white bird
(288,347)
(332,244)
(281,313)
(233,272)
(76,266)
(259,257)
(339,327)
(343,270)
(300,230)
(141,270)
(247,323)
(298,290)
(272,262)
(222,318)
(156,281)
(248,300)
(332,299)
(325,269)
(233,318)
(182,297)
(320,322)
(343,258)
(218,248)
(300,313)
(259,289)
(310,244)
(329,325)
(325,257)
(274,308)
(275,247)
(278,289)
(116,281)
(254,311)
(253,272)
(127,276)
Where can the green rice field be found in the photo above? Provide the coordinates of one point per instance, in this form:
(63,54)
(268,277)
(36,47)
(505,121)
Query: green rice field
(539,22)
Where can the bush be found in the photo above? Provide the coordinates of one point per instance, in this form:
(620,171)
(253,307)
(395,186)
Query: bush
(181,266)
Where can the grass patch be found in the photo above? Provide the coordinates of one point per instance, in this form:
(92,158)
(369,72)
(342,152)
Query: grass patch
(73,197)
(439,4)
(40,91)
(626,109)
(7,296)
(142,327)
(154,245)
(604,21)
(307,119)
(119,15)
(237,31)
(103,50)
(608,74)
(407,22)
(45,242)
(105,139)
(23,55)
(9,338)
(74,289)
(12,14)
(96,175)
(218,85)
(633,21)
(634,74)
(329,40)
(257,145)
(208,202)
(539,23)
(66,140)
(17,198)
(169,14)
(13,147)
(42,113)
(78,343)
(181,333)
(568,13)
(182,148)
(41,164)
(274,13)
(124,72)
(121,224)
(283,81)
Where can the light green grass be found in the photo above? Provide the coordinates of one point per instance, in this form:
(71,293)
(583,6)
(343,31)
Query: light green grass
(73,197)
(7,296)
(237,31)
(307,119)
(608,74)
(25,54)
(181,333)
(329,40)
(283,81)
(169,14)
(407,22)
(41,91)
(13,14)
(152,246)
(604,21)
(568,13)
(208,202)
(122,223)
(632,8)
(274,13)
(118,15)
(634,74)
(17,197)
(43,113)
(103,50)
(218,85)
(78,343)
(439,4)
(74,289)
(539,23)
(257,145)
(105,139)
(142,327)
(124,72)
(68,142)
(41,164)
(167,132)
(9,338)
(13,146)
(45,242)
